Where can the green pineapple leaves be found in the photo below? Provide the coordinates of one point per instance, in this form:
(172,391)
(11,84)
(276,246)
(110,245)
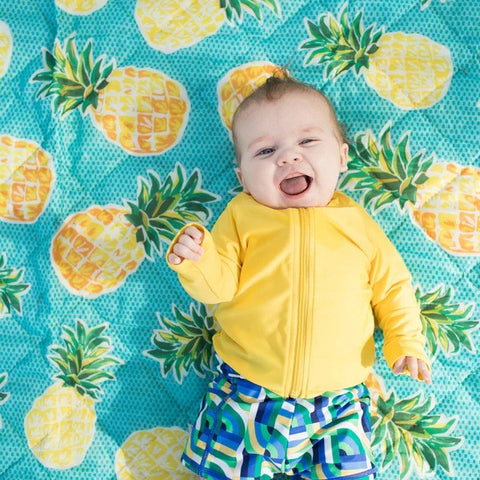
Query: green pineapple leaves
(72,80)
(426,3)
(406,429)
(185,342)
(385,173)
(11,288)
(446,325)
(234,9)
(339,44)
(83,358)
(3,396)
(162,210)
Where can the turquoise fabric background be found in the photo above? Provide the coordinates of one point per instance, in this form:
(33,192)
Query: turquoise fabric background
(90,170)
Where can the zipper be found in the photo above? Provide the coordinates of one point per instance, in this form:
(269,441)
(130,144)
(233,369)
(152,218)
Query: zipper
(305,260)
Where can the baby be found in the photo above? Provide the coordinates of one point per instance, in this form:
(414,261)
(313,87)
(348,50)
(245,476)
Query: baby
(301,275)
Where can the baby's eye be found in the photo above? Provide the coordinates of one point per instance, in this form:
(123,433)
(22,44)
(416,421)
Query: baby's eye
(265,151)
(307,140)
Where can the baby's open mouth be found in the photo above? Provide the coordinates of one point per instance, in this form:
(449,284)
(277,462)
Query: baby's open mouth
(295,185)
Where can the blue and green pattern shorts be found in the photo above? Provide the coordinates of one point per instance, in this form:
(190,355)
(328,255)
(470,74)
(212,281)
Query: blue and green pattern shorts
(244,431)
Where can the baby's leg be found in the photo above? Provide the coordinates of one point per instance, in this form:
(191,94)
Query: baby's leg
(339,433)
(223,424)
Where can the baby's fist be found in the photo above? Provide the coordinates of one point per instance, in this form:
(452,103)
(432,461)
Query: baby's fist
(415,367)
(188,246)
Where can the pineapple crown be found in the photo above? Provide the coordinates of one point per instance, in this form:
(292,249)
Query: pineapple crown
(72,79)
(185,342)
(426,3)
(11,288)
(162,210)
(234,9)
(3,381)
(340,44)
(83,359)
(385,173)
(446,324)
(408,431)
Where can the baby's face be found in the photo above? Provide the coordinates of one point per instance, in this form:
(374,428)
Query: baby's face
(290,153)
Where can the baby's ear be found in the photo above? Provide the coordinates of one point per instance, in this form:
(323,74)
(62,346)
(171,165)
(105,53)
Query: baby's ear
(239,176)
(343,157)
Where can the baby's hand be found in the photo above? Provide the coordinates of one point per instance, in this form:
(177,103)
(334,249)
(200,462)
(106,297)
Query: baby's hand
(187,246)
(415,367)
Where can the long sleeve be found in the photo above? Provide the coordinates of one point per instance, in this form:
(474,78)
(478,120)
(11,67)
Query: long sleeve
(214,278)
(394,304)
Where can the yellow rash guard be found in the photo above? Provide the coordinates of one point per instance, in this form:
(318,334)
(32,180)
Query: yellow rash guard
(298,290)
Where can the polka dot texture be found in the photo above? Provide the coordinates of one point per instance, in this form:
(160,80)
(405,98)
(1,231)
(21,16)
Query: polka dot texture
(90,170)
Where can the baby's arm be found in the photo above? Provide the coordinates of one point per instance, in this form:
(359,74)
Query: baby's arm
(207,263)
(396,310)
(187,246)
(417,368)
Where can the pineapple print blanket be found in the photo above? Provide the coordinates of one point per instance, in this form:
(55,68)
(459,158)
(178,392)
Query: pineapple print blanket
(115,123)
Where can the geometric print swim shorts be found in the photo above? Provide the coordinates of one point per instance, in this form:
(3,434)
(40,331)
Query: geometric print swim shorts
(244,431)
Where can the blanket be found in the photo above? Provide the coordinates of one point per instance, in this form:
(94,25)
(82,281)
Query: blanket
(115,120)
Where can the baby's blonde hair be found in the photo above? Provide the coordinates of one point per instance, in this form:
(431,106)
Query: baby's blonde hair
(280,83)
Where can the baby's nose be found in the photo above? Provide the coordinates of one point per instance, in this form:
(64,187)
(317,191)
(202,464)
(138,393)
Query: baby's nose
(289,156)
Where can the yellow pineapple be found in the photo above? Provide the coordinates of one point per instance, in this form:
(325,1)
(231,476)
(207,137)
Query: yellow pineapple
(26,179)
(94,251)
(239,83)
(80,7)
(448,207)
(443,198)
(61,423)
(170,25)
(154,454)
(410,70)
(419,80)
(141,110)
(6,45)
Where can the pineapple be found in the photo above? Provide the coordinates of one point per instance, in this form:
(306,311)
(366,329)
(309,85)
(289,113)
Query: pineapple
(239,83)
(3,396)
(154,454)
(80,7)
(169,25)
(6,45)
(94,251)
(11,289)
(406,429)
(26,179)
(445,324)
(443,198)
(410,70)
(61,423)
(185,342)
(143,111)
